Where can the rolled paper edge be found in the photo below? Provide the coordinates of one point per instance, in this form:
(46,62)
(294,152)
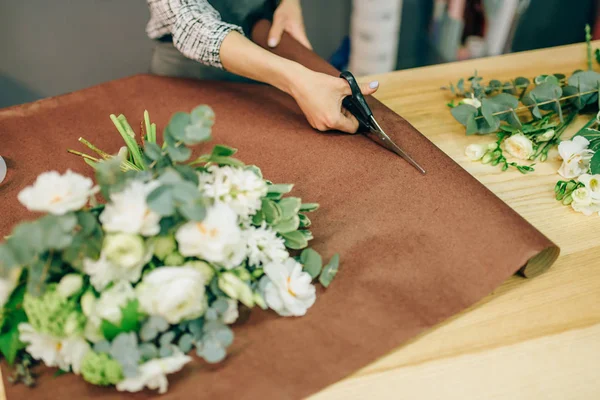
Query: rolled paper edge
(540,263)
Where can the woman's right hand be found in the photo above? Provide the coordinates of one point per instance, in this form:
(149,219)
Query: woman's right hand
(320,98)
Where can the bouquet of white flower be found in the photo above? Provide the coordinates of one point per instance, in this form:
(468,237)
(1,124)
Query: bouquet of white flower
(121,292)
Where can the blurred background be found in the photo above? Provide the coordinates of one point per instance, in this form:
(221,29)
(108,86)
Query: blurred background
(54,47)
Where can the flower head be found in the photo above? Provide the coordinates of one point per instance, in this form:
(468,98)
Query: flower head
(288,289)
(264,246)
(57,194)
(217,239)
(174,293)
(128,211)
(152,374)
(239,188)
(576,157)
(52,313)
(519,146)
(112,300)
(592,184)
(69,285)
(100,369)
(546,136)
(236,288)
(475,151)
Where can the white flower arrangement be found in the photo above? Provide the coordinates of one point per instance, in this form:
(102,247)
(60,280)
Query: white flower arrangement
(120,293)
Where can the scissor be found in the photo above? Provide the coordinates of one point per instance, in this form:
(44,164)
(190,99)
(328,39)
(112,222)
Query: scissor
(358,107)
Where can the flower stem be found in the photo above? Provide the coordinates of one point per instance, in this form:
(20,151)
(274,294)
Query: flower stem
(80,154)
(101,153)
(588,44)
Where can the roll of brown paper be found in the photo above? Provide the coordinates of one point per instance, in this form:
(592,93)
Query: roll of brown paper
(415,249)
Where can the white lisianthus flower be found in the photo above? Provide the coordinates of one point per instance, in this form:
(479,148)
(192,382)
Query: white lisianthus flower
(57,194)
(264,246)
(112,300)
(240,189)
(54,352)
(174,293)
(475,151)
(583,202)
(123,257)
(519,146)
(232,313)
(289,290)
(8,284)
(472,101)
(576,157)
(546,136)
(592,184)
(128,211)
(69,285)
(152,374)
(216,239)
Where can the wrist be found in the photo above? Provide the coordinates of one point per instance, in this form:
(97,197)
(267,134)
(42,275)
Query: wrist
(291,75)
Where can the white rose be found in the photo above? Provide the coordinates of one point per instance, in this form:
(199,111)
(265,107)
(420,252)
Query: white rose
(153,374)
(57,194)
(123,257)
(112,300)
(475,151)
(174,293)
(546,136)
(583,202)
(236,288)
(289,290)
(592,184)
(519,146)
(215,239)
(128,211)
(69,285)
(472,101)
(576,157)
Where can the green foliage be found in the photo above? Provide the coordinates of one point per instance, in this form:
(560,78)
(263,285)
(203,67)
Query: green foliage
(124,349)
(312,262)
(130,321)
(52,314)
(220,155)
(177,196)
(12,315)
(330,270)
(564,190)
(152,327)
(216,337)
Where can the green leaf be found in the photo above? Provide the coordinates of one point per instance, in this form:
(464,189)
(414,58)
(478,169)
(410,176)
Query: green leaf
(255,169)
(124,349)
(87,242)
(176,149)
(329,271)
(188,173)
(224,151)
(463,112)
(487,112)
(287,225)
(130,321)
(312,261)
(308,207)
(281,188)
(304,221)
(161,200)
(193,211)
(271,211)
(221,160)
(595,164)
(13,316)
(203,115)
(586,81)
(295,240)
(258,218)
(194,134)
(290,206)
(152,151)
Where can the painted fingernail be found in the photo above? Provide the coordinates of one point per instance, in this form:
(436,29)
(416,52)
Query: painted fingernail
(374,84)
(272,42)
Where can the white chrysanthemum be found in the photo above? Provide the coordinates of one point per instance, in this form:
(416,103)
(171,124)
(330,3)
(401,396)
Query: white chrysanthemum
(217,239)
(57,194)
(576,157)
(54,352)
(174,293)
(241,189)
(264,246)
(289,290)
(152,374)
(128,211)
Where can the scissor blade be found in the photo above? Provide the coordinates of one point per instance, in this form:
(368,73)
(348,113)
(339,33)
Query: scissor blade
(389,144)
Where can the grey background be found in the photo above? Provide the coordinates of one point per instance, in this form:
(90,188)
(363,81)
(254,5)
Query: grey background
(50,47)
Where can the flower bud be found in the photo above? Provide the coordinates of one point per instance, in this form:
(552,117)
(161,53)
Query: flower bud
(492,146)
(88,303)
(546,136)
(487,157)
(69,285)
(235,288)
(163,246)
(475,151)
(174,259)
(207,271)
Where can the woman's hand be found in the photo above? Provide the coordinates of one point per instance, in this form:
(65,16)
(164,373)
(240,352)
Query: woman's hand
(288,18)
(320,98)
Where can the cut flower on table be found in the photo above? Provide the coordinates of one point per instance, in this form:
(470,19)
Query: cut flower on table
(121,292)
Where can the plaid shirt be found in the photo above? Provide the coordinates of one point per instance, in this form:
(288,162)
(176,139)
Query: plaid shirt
(196,27)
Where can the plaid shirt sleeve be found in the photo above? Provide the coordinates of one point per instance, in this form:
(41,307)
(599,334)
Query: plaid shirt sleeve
(196,27)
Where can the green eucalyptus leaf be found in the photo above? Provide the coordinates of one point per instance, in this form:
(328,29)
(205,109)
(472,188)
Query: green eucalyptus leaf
(584,82)
(312,262)
(124,349)
(463,112)
(188,173)
(161,200)
(177,124)
(287,225)
(203,115)
(194,134)
(290,206)
(487,112)
(295,240)
(152,151)
(329,271)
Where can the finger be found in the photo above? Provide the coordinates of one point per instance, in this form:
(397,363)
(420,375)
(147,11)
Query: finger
(347,122)
(276,32)
(369,88)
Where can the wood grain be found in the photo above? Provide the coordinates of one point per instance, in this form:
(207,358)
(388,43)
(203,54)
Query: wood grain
(530,339)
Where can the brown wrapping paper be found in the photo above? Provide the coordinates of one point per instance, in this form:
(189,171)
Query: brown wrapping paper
(415,249)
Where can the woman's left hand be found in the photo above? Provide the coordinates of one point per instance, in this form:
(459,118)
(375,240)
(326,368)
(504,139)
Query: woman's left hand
(288,18)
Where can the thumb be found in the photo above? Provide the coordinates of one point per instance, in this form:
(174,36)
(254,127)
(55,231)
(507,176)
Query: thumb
(347,122)
(369,88)
(275,32)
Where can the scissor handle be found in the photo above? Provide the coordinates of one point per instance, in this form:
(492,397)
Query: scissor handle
(356,103)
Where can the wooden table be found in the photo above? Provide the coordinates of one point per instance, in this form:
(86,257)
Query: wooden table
(530,339)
